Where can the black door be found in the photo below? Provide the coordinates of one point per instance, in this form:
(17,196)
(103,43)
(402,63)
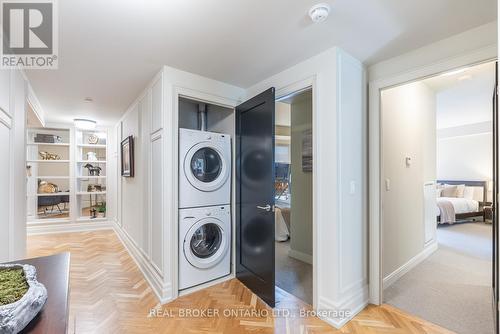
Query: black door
(495,205)
(255,195)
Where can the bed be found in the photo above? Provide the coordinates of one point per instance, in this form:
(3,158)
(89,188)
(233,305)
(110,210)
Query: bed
(467,202)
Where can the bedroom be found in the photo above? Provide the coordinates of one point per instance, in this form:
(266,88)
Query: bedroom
(437,230)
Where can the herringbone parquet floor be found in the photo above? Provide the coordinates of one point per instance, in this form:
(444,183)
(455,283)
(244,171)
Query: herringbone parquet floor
(109,295)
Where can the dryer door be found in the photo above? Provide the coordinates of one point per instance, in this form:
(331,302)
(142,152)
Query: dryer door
(205,167)
(205,243)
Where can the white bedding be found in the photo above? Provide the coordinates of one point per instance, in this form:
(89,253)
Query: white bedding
(461,205)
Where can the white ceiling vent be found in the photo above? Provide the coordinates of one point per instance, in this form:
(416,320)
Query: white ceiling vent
(319,12)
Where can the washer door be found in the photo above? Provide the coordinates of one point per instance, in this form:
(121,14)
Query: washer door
(205,244)
(205,167)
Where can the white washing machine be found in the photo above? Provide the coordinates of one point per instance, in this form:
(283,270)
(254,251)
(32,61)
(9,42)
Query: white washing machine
(204,245)
(204,168)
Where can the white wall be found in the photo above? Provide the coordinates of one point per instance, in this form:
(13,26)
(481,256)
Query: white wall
(301,224)
(408,130)
(464,154)
(470,41)
(13,88)
(339,180)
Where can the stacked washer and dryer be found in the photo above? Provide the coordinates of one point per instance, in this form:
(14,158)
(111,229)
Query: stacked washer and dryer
(204,206)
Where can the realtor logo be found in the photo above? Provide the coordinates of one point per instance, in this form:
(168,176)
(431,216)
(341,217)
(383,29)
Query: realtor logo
(29,38)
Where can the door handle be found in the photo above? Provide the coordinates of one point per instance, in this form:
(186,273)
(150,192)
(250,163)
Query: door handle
(267,207)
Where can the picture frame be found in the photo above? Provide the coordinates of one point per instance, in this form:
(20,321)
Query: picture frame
(307,152)
(127,156)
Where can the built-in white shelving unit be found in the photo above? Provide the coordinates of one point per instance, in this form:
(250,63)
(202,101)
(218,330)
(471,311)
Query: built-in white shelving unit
(91,153)
(74,192)
(51,202)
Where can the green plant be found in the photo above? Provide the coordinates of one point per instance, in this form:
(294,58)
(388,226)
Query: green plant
(13,285)
(101,207)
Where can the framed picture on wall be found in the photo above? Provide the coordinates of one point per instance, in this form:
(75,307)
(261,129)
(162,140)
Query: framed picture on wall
(128,156)
(307,156)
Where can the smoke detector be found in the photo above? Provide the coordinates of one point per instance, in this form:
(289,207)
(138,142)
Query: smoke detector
(319,12)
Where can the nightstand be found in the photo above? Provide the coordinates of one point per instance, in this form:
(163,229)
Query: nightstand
(488,213)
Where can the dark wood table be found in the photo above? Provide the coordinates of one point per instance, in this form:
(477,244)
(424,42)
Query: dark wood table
(53,272)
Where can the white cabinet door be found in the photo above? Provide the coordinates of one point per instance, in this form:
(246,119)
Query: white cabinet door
(430,207)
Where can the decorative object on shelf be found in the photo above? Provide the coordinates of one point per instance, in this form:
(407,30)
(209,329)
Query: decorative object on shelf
(48,156)
(101,209)
(94,188)
(47,138)
(127,155)
(17,313)
(307,157)
(93,139)
(93,213)
(28,170)
(45,187)
(93,170)
(91,156)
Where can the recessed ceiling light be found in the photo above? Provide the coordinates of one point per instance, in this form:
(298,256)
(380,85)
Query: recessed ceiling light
(319,12)
(461,70)
(88,99)
(465,77)
(85,124)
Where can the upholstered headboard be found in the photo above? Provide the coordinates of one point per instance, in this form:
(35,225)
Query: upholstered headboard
(480,188)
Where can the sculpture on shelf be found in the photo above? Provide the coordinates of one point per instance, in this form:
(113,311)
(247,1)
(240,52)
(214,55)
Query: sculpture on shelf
(49,156)
(91,156)
(93,170)
(94,187)
(93,139)
(45,187)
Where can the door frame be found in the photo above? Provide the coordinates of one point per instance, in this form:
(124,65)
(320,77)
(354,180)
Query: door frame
(281,92)
(226,102)
(375,150)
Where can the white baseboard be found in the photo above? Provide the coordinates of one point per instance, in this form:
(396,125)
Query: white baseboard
(65,227)
(300,256)
(412,263)
(161,289)
(336,314)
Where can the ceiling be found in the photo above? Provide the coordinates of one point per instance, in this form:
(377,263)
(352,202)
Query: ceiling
(109,50)
(464,96)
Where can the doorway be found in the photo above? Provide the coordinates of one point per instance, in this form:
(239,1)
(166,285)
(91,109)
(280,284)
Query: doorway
(437,189)
(273,221)
(293,195)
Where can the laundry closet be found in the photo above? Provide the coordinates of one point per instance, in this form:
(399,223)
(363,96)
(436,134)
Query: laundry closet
(205,192)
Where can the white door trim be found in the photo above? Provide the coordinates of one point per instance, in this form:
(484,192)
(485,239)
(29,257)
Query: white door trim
(374,149)
(298,86)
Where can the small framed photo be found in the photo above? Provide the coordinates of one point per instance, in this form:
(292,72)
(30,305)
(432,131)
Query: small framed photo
(128,157)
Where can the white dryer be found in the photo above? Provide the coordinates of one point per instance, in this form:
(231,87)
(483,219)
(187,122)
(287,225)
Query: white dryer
(204,168)
(204,245)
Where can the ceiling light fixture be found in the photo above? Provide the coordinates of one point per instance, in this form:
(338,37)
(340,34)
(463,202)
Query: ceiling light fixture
(465,77)
(319,12)
(460,70)
(88,99)
(85,124)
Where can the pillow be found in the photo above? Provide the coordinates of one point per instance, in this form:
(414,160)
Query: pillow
(449,191)
(460,190)
(469,193)
(439,191)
